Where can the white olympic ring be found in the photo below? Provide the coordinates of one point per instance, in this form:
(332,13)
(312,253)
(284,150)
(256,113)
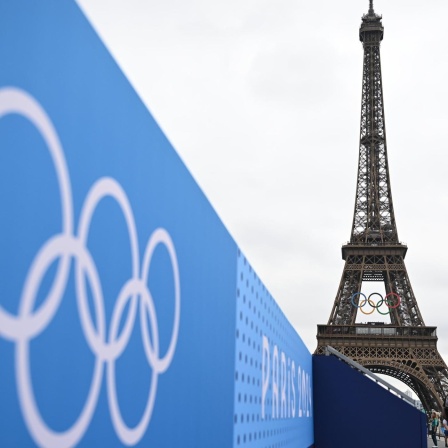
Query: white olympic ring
(29,323)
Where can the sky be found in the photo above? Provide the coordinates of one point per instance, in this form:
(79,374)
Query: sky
(262,100)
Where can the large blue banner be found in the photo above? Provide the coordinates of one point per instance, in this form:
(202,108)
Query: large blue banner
(118,287)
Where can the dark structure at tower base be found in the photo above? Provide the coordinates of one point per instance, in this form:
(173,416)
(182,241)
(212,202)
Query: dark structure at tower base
(406,353)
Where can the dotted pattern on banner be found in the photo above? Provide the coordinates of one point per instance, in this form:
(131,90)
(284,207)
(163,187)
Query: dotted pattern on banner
(259,318)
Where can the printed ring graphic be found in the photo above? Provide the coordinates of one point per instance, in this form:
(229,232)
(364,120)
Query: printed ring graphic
(16,101)
(390,303)
(66,246)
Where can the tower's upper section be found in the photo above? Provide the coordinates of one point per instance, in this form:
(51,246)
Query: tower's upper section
(371,30)
(374,220)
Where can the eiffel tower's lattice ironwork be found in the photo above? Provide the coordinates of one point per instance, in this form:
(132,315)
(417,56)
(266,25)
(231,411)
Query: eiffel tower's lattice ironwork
(405,349)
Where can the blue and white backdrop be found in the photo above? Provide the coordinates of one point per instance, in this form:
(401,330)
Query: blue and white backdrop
(128,316)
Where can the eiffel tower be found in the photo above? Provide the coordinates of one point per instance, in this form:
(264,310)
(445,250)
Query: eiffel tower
(406,348)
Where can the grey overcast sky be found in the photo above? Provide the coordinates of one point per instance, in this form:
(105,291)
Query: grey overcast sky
(262,99)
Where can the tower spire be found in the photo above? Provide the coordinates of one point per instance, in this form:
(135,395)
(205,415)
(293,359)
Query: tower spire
(371,11)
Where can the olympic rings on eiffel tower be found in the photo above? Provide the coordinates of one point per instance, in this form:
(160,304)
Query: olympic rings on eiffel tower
(392,302)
